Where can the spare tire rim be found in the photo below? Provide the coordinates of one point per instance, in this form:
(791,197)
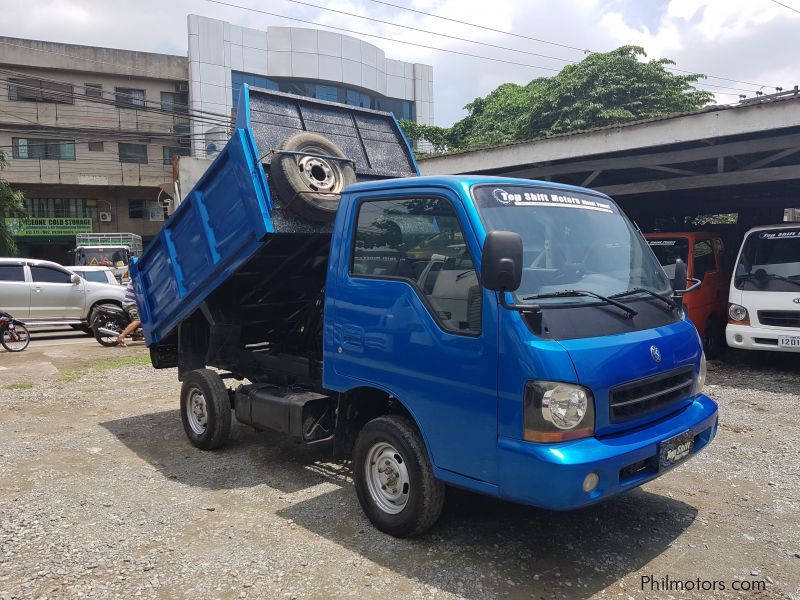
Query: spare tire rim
(320,175)
(387,478)
(197,412)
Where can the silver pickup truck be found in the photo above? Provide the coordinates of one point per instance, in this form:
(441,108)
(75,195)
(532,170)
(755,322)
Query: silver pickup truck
(43,292)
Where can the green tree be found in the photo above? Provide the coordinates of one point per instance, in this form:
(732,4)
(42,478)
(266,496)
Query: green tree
(11,203)
(605,88)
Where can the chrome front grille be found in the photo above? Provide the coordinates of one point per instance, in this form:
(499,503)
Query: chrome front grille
(638,398)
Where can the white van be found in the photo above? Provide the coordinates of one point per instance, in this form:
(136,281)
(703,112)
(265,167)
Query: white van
(764,299)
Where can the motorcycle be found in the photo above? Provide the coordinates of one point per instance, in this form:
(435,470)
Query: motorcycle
(108,322)
(14,336)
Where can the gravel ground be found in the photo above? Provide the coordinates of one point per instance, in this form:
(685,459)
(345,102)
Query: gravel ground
(102,496)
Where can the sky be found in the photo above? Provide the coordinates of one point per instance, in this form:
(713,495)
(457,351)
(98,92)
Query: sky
(753,41)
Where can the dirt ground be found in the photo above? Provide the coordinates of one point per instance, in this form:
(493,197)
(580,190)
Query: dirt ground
(102,496)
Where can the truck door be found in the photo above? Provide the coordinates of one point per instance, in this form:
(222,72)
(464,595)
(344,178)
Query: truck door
(408,315)
(54,296)
(704,268)
(15,291)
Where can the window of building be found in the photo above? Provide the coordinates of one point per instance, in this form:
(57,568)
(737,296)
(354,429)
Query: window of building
(129,98)
(42,274)
(354,98)
(132,153)
(326,92)
(237,79)
(11,273)
(95,146)
(138,209)
(32,89)
(174,102)
(93,90)
(420,240)
(704,261)
(170,151)
(43,148)
(41,208)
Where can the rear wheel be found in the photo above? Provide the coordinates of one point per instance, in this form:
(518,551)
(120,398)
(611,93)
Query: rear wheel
(109,324)
(205,409)
(394,477)
(15,337)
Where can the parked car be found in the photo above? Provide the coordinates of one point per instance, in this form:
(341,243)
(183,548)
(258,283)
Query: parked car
(512,337)
(96,274)
(44,292)
(764,309)
(707,306)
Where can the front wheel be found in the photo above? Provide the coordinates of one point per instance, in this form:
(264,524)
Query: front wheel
(205,409)
(714,342)
(394,477)
(109,324)
(15,337)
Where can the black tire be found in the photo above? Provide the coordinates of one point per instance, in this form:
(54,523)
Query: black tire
(103,339)
(217,409)
(15,345)
(310,186)
(425,494)
(714,343)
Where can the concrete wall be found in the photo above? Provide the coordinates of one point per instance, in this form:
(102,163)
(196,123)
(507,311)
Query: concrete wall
(216,48)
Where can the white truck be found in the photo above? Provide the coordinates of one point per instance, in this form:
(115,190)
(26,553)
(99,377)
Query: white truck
(764,301)
(113,250)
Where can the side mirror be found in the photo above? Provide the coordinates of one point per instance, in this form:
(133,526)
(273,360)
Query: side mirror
(501,265)
(74,279)
(679,281)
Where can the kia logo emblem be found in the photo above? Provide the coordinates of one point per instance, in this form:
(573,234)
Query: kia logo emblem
(655,353)
(796,300)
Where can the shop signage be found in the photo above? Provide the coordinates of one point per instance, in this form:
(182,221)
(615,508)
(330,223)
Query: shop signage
(50,226)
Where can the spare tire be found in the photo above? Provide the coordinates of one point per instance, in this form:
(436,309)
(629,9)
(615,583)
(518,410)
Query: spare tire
(309,185)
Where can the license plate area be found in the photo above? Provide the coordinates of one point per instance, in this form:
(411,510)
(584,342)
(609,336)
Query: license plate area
(789,341)
(675,450)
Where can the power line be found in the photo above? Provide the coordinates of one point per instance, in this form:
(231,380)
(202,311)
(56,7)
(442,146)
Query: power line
(539,40)
(787,6)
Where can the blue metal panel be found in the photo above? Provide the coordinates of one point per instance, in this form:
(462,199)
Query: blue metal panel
(217,227)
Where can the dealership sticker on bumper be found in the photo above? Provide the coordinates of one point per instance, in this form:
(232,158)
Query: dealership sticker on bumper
(789,341)
(675,449)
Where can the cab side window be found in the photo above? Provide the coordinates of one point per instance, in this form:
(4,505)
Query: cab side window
(49,275)
(420,240)
(11,273)
(704,261)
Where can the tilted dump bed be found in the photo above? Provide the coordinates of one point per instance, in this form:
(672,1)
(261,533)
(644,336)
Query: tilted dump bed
(233,216)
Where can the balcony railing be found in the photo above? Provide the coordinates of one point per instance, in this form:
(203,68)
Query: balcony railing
(101,171)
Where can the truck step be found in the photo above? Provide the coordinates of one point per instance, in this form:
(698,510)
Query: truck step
(305,416)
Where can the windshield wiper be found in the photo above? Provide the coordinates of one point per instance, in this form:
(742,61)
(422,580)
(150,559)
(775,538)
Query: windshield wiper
(668,301)
(576,293)
(748,276)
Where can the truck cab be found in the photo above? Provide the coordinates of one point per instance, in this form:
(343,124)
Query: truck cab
(511,337)
(764,302)
(704,256)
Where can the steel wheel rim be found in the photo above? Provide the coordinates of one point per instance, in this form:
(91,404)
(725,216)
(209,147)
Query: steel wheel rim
(111,324)
(319,174)
(197,412)
(387,478)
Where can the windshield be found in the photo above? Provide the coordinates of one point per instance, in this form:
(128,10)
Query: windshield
(571,240)
(103,257)
(766,258)
(668,251)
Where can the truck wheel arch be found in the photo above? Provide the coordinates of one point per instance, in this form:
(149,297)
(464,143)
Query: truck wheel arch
(116,303)
(360,405)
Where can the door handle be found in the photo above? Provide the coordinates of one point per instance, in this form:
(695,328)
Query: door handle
(37,289)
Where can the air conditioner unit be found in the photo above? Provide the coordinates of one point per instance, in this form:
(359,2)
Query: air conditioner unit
(105,217)
(182,87)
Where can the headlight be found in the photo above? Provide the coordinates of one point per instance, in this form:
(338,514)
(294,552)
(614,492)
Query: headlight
(556,412)
(738,313)
(701,376)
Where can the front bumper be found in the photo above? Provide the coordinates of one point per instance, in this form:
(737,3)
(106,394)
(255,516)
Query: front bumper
(746,337)
(552,475)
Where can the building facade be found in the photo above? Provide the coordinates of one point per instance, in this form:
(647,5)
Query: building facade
(89,134)
(307,62)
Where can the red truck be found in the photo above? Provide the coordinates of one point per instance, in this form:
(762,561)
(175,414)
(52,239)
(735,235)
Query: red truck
(706,307)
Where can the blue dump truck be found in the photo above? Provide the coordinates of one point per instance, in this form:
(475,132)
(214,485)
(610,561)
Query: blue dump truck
(511,337)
